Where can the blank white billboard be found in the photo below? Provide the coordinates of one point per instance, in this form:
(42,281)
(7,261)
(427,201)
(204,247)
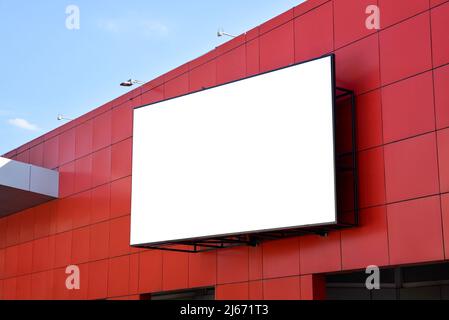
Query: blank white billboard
(249,156)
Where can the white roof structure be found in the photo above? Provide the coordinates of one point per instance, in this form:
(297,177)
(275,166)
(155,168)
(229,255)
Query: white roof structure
(24,186)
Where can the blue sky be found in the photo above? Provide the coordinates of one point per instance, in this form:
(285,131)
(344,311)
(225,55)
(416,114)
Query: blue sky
(49,70)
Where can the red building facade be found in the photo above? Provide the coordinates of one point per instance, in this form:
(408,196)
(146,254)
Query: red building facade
(400,75)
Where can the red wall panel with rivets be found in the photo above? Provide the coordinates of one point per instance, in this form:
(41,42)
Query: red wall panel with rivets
(400,75)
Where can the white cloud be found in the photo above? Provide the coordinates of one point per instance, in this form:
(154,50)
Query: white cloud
(23,124)
(153,27)
(135,25)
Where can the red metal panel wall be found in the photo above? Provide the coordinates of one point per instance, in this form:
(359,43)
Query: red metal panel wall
(400,75)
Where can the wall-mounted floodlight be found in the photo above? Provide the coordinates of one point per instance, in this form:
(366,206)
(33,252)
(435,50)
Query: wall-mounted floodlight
(63,118)
(131,82)
(222,33)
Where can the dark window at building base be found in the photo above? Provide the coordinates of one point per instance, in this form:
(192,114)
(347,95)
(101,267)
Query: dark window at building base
(424,282)
(191,294)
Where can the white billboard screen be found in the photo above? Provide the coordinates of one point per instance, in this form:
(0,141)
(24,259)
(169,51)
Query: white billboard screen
(249,156)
